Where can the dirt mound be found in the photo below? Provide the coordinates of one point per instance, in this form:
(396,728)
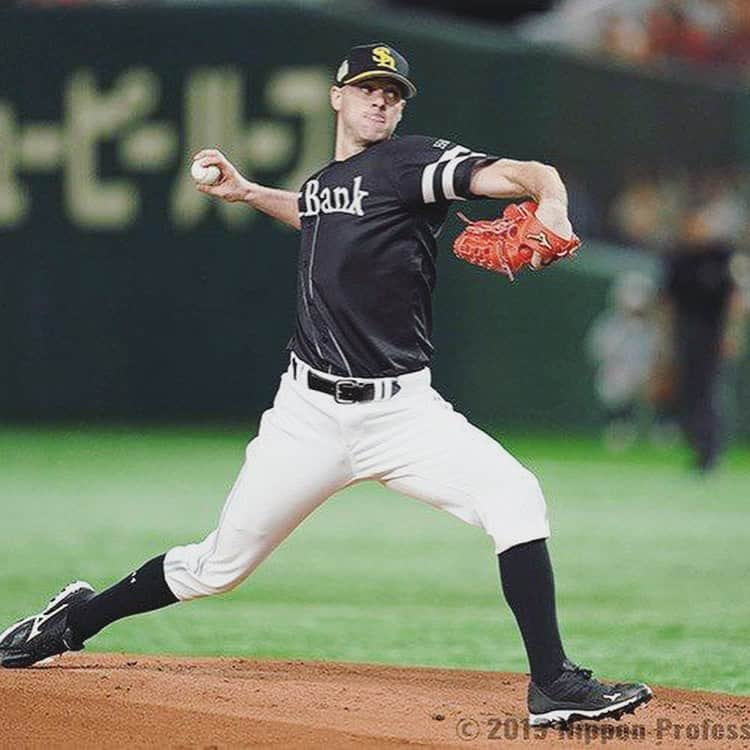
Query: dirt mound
(118,700)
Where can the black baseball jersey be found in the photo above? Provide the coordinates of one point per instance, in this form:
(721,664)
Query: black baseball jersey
(368,251)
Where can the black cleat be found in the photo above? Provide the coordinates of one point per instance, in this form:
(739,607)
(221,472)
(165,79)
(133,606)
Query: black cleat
(576,695)
(45,635)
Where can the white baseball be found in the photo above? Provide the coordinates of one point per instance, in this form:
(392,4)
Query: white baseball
(205,175)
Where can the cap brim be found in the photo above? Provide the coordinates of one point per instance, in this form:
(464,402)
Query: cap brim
(411,89)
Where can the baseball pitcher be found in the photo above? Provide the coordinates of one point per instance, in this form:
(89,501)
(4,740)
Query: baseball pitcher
(356,401)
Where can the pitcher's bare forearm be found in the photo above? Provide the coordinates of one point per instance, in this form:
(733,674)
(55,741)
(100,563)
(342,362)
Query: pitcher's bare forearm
(281,204)
(508,178)
(234,188)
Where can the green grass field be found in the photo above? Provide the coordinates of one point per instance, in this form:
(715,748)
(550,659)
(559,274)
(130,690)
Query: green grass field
(652,563)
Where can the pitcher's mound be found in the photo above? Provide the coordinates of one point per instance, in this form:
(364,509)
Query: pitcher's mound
(90,700)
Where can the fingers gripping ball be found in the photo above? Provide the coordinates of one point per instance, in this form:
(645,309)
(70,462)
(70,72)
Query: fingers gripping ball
(205,175)
(507,244)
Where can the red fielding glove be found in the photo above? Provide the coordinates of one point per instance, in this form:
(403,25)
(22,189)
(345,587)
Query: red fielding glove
(507,244)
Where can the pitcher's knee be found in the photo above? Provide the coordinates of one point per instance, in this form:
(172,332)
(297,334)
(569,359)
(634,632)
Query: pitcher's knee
(192,572)
(517,512)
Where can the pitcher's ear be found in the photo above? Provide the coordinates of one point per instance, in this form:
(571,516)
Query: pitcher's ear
(335,96)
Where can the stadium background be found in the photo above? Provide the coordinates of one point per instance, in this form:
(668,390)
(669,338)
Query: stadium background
(143,331)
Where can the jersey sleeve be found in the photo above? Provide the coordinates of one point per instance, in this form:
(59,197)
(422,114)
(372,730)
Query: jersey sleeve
(429,170)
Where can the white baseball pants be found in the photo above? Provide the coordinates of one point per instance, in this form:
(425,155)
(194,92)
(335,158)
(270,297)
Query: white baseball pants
(309,446)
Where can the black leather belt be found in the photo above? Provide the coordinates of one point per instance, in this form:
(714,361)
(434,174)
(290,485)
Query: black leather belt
(345,391)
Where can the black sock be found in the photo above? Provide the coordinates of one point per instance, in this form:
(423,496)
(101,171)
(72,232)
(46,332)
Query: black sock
(529,588)
(142,591)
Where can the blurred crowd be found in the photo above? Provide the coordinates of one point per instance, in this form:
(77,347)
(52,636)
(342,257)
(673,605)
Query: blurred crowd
(699,32)
(672,346)
(703,34)
(661,209)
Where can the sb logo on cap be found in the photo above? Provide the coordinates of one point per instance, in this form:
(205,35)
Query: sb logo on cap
(382,56)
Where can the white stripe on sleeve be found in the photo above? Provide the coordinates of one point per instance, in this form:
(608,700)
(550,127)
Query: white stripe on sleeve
(428,174)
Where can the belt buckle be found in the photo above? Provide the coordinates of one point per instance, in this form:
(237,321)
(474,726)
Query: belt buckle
(338,395)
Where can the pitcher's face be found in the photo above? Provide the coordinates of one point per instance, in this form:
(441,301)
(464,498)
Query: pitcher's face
(370,110)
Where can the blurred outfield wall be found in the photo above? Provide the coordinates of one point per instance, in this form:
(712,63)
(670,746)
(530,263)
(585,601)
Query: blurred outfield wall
(124,293)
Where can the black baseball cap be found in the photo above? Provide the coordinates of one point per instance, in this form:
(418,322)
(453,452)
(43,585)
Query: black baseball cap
(371,60)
